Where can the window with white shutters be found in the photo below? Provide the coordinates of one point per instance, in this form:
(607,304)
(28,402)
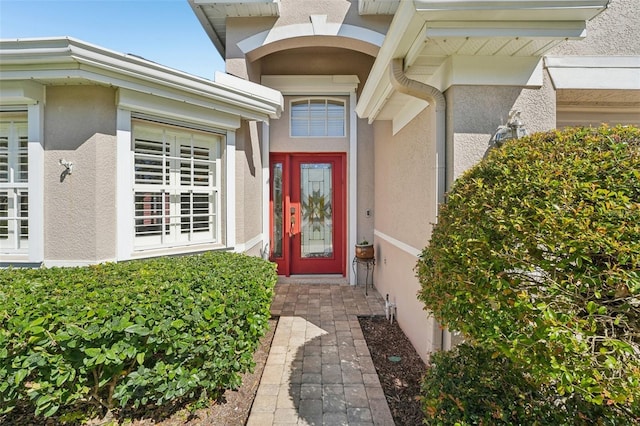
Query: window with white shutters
(317,117)
(176,186)
(14,179)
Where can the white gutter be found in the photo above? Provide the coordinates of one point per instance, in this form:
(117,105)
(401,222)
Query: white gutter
(404,84)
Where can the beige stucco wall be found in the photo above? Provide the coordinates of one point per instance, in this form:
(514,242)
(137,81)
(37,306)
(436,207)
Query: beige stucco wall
(80,212)
(249,186)
(405,202)
(615,31)
(475,112)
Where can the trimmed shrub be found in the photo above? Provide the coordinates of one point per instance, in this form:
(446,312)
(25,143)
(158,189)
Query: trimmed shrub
(470,385)
(132,333)
(537,254)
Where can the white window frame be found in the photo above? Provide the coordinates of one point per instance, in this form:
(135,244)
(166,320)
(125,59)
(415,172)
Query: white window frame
(170,185)
(316,99)
(13,213)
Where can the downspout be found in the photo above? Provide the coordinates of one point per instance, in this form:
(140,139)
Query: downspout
(404,84)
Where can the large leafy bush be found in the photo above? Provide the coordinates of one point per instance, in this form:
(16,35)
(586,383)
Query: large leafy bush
(132,333)
(536,255)
(471,385)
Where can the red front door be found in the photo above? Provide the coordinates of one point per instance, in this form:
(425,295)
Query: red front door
(308,225)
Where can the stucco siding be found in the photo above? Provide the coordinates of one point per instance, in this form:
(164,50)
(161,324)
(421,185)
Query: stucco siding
(249,166)
(395,276)
(365,172)
(475,112)
(405,194)
(615,31)
(405,202)
(80,209)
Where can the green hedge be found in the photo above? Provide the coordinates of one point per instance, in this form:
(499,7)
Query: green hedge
(130,334)
(536,254)
(475,386)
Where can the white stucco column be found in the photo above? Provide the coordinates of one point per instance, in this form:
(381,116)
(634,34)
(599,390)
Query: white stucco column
(353,185)
(266,196)
(35,154)
(230,193)
(124,184)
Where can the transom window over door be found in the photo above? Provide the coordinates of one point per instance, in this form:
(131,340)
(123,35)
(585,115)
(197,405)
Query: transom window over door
(14,180)
(176,186)
(318,117)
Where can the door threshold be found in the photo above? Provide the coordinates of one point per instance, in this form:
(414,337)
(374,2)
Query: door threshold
(336,279)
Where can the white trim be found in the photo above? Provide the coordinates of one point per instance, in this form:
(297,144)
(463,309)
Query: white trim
(326,99)
(149,104)
(594,72)
(312,84)
(412,108)
(352,192)
(404,29)
(21,93)
(68,59)
(230,191)
(124,186)
(314,28)
(397,243)
(266,193)
(243,247)
(521,71)
(35,155)
(511,10)
(574,30)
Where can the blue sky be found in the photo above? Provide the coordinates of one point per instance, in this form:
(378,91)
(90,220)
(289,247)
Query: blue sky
(163,31)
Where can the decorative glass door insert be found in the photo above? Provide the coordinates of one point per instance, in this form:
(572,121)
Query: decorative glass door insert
(316,193)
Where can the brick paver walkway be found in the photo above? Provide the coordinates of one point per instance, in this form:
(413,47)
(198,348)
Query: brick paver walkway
(319,370)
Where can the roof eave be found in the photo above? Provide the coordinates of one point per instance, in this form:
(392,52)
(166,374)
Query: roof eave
(423,14)
(72,55)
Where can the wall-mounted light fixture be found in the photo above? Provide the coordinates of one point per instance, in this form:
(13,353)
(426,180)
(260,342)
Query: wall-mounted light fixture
(68,166)
(514,129)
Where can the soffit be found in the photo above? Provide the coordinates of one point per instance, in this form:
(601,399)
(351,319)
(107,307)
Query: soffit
(485,36)
(377,7)
(213,15)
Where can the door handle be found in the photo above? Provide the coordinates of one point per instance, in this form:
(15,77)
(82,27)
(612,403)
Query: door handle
(292,221)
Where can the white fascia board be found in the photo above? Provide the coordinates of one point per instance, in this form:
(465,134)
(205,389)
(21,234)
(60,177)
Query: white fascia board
(85,73)
(21,92)
(132,68)
(208,27)
(141,102)
(512,10)
(594,72)
(402,32)
(252,90)
(312,84)
(530,29)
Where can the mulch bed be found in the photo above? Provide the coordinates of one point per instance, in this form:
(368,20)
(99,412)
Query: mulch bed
(400,379)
